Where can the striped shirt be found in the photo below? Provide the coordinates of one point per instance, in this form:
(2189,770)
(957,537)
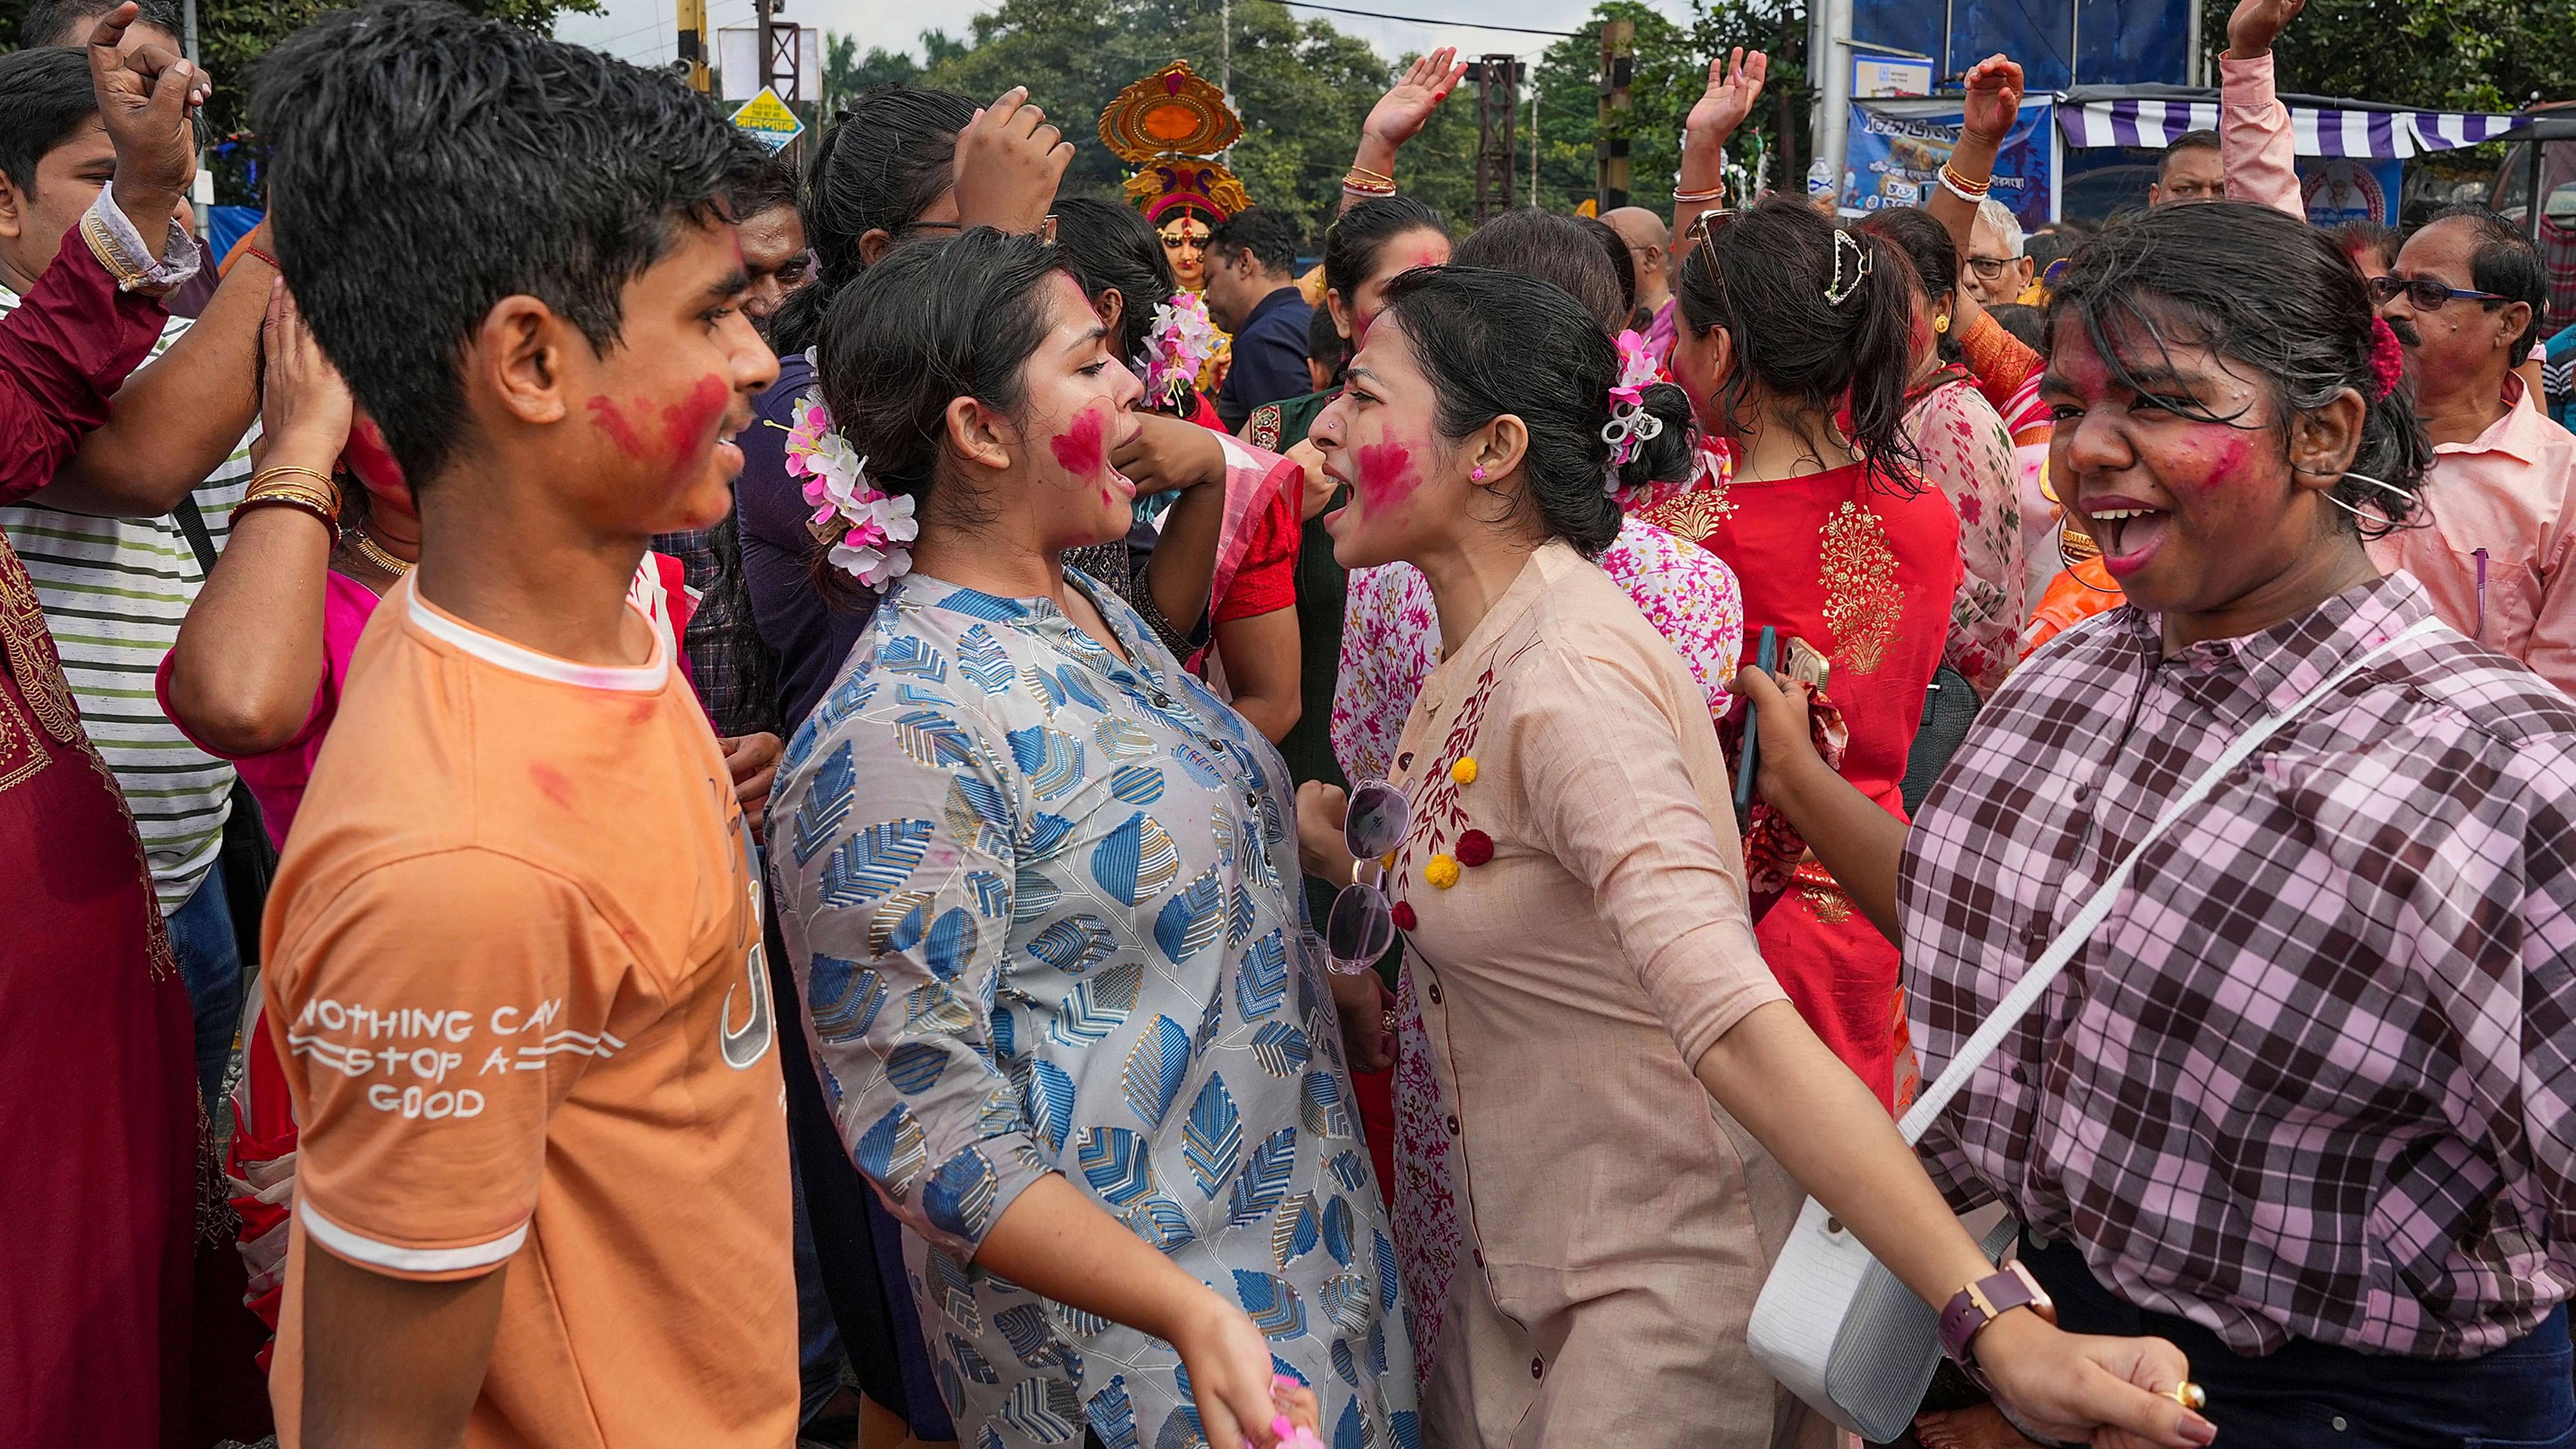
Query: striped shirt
(114,591)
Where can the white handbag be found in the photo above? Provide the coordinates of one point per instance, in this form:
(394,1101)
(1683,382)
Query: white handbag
(1833,1325)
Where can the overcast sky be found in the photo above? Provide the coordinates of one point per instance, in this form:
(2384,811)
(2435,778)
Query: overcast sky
(640,30)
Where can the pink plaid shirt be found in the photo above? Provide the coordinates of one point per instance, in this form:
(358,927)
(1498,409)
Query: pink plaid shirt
(2316,1074)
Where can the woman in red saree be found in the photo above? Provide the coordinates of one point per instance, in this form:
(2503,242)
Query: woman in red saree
(1837,543)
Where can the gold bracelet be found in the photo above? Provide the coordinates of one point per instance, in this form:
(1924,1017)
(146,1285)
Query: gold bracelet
(1700,198)
(1366,174)
(301,498)
(329,484)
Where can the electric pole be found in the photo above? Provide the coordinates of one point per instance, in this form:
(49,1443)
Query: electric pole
(1610,152)
(693,44)
(1498,103)
(1225,47)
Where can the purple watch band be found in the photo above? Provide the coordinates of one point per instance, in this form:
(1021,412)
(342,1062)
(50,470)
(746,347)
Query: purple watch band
(1982,1302)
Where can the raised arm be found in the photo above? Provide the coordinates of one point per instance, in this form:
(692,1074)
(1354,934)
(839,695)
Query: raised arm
(1734,84)
(246,674)
(1993,103)
(1009,162)
(78,332)
(1398,117)
(181,414)
(2254,144)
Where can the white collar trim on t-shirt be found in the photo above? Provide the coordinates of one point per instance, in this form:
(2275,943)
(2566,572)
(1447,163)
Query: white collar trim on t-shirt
(639,678)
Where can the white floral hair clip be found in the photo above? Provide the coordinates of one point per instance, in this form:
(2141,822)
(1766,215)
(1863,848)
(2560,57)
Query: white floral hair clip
(866,528)
(1181,342)
(1630,424)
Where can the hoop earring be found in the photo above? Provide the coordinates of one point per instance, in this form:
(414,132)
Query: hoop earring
(2071,562)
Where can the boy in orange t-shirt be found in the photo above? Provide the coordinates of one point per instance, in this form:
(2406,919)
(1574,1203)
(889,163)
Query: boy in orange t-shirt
(514,963)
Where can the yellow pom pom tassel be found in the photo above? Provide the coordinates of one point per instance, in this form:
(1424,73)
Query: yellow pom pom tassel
(1442,872)
(1464,772)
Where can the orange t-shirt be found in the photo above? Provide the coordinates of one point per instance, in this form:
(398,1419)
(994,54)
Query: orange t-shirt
(515,979)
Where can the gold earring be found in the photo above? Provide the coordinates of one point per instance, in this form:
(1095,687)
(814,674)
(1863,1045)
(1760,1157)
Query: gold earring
(1941,324)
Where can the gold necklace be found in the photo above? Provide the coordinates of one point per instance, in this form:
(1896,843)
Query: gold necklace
(368,550)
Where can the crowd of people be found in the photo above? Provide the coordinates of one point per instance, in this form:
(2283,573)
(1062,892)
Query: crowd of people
(817,814)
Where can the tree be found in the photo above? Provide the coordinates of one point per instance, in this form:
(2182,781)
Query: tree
(1301,88)
(2479,55)
(1670,72)
(233,34)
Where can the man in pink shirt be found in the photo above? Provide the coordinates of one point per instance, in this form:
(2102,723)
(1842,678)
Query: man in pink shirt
(2463,301)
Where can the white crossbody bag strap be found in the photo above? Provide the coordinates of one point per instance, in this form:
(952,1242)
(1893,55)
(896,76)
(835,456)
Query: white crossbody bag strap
(2034,982)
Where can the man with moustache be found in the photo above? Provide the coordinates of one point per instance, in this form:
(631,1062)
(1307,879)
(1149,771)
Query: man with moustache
(2464,301)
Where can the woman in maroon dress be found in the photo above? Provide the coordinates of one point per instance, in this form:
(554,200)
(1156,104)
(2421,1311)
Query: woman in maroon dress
(98,1099)
(1786,321)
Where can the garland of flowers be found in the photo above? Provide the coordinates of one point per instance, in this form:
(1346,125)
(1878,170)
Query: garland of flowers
(866,528)
(1181,342)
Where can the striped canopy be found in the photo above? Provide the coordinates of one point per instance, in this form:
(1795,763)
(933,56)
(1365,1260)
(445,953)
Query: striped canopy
(2318,130)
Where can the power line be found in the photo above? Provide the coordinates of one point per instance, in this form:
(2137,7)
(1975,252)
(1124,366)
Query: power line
(1420,20)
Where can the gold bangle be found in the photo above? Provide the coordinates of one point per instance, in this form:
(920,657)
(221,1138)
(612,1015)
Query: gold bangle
(1366,174)
(1700,198)
(1368,188)
(329,484)
(292,496)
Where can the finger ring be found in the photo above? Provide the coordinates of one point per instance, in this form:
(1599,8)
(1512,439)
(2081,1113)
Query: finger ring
(1386,1021)
(2190,1395)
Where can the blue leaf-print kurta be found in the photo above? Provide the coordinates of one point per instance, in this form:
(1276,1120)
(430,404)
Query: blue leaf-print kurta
(1044,909)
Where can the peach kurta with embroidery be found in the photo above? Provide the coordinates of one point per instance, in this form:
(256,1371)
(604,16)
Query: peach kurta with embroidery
(1610,1225)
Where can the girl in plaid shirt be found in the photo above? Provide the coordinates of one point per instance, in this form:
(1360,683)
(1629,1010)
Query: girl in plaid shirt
(2302,1104)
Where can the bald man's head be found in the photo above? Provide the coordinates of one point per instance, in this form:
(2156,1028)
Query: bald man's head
(1650,247)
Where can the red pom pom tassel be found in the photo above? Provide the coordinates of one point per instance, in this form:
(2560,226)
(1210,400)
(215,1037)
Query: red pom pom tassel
(1475,848)
(1403,915)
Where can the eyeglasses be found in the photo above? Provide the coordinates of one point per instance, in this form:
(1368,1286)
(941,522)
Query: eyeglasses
(1361,925)
(2424,293)
(1990,269)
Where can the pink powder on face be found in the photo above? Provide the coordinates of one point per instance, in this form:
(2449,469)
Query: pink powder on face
(1386,475)
(1083,449)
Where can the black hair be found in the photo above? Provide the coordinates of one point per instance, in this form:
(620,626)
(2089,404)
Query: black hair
(1324,343)
(1353,245)
(1623,263)
(1495,342)
(425,164)
(2505,263)
(884,159)
(2187,141)
(928,324)
(1554,249)
(2046,247)
(1356,237)
(1265,232)
(2260,288)
(52,23)
(1930,253)
(760,180)
(45,97)
(1112,246)
(2028,325)
(2352,238)
(1764,277)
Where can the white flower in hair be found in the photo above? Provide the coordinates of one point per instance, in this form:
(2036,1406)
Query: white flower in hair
(866,528)
(1181,342)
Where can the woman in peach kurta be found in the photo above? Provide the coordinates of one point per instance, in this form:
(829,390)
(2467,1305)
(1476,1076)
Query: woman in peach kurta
(1574,903)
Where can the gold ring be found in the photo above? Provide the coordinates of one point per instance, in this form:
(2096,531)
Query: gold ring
(2190,1395)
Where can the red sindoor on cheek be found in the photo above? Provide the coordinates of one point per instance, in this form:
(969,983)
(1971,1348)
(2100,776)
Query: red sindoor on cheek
(1386,475)
(1082,450)
(687,426)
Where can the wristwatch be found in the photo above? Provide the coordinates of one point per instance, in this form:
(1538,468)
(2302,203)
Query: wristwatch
(1984,1301)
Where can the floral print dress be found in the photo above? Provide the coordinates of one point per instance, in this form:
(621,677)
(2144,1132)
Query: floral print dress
(1042,907)
(1969,456)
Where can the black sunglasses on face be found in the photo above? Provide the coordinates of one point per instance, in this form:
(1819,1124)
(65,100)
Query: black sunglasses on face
(2426,294)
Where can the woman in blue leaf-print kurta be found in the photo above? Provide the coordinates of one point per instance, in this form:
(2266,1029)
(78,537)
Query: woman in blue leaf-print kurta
(1044,906)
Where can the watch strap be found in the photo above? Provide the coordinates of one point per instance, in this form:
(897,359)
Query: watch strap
(1984,1301)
